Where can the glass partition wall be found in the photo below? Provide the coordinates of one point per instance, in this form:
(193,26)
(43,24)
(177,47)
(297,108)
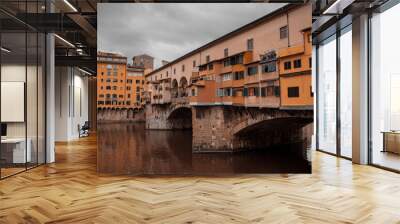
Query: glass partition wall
(334,83)
(22,98)
(385,89)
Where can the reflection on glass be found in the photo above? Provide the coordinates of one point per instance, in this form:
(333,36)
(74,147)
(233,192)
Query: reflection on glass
(346,93)
(14,153)
(327,95)
(385,84)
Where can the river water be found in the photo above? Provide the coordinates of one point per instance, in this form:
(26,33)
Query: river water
(128,148)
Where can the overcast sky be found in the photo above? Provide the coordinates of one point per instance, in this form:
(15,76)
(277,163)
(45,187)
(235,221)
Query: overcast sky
(168,31)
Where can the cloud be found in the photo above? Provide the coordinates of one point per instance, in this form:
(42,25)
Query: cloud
(167,31)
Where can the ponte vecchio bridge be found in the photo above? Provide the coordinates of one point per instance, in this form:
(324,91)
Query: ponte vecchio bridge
(250,88)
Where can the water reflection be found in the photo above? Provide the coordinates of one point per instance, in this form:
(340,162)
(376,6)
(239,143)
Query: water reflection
(127,148)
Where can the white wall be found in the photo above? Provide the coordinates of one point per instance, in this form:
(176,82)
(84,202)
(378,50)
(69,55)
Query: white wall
(71,102)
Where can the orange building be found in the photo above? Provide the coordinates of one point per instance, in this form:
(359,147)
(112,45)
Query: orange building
(111,77)
(295,74)
(118,85)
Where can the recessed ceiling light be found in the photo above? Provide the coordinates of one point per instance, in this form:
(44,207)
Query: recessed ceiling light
(5,50)
(70,5)
(64,40)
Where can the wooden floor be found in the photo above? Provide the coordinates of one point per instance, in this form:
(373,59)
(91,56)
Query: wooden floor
(70,191)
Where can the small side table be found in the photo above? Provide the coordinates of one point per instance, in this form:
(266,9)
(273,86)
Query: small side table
(391,141)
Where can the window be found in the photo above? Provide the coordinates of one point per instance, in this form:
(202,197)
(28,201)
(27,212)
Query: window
(263,91)
(137,89)
(252,70)
(277,91)
(226,76)
(311,92)
(101,96)
(183,68)
(114,88)
(326,104)
(220,92)
(108,87)
(284,32)
(128,88)
(174,71)
(245,91)
(129,95)
(137,81)
(228,92)
(193,92)
(287,65)
(226,52)
(129,81)
(293,91)
(309,62)
(270,90)
(250,44)
(207,58)
(226,63)
(297,63)
(210,67)
(121,96)
(238,59)
(269,67)
(238,75)
(194,63)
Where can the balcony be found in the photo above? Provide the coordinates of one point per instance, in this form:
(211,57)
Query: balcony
(238,83)
(227,100)
(205,93)
(248,79)
(270,102)
(285,52)
(252,101)
(238,100)
(269,76)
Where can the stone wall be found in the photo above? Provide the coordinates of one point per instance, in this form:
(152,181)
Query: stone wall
(124,115)
(230,128)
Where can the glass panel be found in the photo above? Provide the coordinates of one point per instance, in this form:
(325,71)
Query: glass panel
(31,98)
(327,95)
(346,93)
(13,86)
(385,92)
(41,98)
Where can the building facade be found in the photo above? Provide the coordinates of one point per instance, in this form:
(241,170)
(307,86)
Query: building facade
(111,80)
(119,85)
(135,87)
(245,67)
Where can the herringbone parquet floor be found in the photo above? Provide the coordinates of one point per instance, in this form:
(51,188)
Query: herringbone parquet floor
(70,191)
